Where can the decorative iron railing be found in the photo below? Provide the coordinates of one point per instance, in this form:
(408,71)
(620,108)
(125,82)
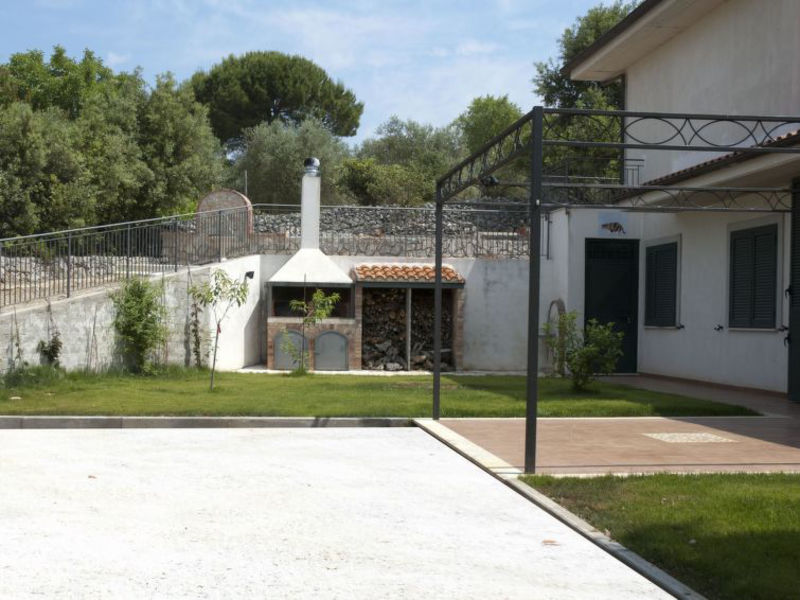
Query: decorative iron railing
(59,264)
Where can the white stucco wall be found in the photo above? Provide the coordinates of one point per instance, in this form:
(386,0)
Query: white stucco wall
(740,59)
(239,340)
(748,358)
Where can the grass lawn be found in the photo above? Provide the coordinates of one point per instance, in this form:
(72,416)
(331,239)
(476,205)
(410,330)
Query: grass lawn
(185,392)
(727,536)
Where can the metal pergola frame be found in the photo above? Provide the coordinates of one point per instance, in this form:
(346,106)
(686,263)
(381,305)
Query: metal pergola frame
(616,132)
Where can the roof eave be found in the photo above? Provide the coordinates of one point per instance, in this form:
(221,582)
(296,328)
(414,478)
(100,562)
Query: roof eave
(648,26)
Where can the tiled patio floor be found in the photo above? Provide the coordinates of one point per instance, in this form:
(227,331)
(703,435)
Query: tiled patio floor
(651,444)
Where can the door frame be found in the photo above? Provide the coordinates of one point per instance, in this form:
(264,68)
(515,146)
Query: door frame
(635,292)
(793,335)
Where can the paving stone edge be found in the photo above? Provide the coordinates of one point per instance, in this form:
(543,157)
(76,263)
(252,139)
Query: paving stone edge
(509,475)
(107,422)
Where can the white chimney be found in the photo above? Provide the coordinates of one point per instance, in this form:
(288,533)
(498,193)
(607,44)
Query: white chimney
(309,266)
(309,205)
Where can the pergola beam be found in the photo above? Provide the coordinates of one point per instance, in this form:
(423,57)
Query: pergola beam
(543,128)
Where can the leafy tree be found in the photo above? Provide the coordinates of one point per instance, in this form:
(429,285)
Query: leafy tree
(42,183)
(312,312)
(244,91)
(401,164)
(58,82)
(486,117)
(273,159)
(556,88)
(178,147)
(372,184)
(81,145)
(222,293)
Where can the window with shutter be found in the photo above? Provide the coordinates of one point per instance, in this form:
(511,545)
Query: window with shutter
(753,277)
(661,281)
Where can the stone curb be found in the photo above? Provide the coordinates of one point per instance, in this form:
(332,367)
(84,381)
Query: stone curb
(102,422)
(509,475)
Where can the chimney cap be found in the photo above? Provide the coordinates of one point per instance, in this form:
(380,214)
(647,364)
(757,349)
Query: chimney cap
(311,165)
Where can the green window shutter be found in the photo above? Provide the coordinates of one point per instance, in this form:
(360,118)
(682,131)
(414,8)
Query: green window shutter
(661,281)
(753,277)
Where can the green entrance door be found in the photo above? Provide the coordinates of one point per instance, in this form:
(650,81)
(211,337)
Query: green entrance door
(612,292)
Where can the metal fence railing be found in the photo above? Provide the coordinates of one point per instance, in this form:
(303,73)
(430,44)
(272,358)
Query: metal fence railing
(59,264)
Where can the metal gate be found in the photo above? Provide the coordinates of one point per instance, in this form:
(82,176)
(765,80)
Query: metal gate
(284,359)
(330,352)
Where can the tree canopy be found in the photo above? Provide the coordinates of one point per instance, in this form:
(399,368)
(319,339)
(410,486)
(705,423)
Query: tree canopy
(81,145)
(401,164)
(264,87)
(273,159)
(556,88)
(484,118)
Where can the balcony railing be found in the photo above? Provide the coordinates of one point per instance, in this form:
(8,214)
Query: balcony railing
(58,264)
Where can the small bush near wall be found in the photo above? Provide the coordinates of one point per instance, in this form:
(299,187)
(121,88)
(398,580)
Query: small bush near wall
(586,356)
(140,322)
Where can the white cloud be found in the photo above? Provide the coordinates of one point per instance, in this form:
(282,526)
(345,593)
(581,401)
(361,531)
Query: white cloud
(114,60)
(473,47)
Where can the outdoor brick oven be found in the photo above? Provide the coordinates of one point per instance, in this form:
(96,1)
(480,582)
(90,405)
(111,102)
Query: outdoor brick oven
(386,308)
(334,344)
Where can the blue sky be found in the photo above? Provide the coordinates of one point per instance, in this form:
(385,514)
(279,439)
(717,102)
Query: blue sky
(416,59)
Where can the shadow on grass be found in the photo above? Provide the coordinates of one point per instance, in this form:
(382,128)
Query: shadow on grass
(732,566)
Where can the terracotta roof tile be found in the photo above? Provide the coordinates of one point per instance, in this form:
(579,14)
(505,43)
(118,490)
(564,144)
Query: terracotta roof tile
(415,273)
(788,139)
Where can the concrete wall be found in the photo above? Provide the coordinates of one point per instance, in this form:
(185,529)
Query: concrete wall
(495,302)
(741,58)
(495,309)
(242,329)
(85,323)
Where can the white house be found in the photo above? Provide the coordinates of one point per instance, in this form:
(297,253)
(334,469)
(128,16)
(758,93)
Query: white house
(704,296)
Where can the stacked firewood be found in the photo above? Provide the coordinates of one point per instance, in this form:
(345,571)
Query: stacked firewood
(384,329)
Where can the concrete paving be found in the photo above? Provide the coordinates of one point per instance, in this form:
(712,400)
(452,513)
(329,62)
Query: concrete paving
(300,513)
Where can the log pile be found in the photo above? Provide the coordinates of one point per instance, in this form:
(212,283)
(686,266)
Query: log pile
(384,329)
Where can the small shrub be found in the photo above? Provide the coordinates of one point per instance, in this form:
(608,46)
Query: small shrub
(139,322)
(597,355)
(32,376)
(51,350)
(585,356)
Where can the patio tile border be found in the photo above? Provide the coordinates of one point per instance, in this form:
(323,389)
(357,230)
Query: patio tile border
(509,475)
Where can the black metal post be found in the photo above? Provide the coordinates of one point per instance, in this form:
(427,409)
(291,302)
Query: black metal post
(69,264)
(219,236)
(437,308)
(532,392)
(793,336)
(175,242)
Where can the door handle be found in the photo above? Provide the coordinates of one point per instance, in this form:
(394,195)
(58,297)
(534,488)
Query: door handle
(788,339)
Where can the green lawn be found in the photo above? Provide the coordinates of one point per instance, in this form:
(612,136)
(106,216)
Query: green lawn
(182,392)
(727,536)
